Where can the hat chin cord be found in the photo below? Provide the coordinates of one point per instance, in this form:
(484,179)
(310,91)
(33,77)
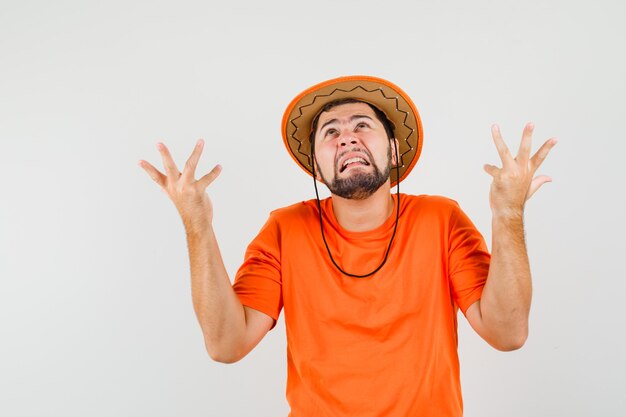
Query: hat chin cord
(319,210)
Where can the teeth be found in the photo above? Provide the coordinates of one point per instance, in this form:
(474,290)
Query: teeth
(351,160)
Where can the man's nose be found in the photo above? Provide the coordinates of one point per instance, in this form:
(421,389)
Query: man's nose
(347,137)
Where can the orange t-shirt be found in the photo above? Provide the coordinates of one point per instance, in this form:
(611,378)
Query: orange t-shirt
(385,345)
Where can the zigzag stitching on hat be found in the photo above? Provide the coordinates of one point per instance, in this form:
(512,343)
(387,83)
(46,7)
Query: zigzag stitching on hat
(406,116)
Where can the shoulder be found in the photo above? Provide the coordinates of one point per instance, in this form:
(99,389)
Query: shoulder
(286,219)
(295,212)
(430,204)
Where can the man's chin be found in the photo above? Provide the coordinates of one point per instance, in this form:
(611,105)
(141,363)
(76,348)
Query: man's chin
(358,186)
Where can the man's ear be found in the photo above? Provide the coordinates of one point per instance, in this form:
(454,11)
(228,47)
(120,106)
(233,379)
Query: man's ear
(317,167)
(395,151)
(317,170)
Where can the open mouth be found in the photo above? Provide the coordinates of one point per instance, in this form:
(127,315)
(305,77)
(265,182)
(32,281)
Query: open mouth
(350,162)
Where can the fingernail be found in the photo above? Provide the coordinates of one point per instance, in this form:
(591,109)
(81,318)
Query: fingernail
(531,125)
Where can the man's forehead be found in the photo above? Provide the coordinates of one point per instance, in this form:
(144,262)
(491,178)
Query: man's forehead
(346,110)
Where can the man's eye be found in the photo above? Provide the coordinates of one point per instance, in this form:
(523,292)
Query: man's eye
(330,132)
(362,125)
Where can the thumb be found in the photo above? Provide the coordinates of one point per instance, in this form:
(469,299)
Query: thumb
(536,183)
(491,169)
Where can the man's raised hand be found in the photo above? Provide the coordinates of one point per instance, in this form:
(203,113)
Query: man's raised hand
(514,183)
(189,196)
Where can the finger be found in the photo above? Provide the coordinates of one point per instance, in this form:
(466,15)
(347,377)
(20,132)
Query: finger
(536,183)
(170,167)
(189,171)
(491,169)
(154,173)
(524,148)
(503,150)
(542,153)
(205,181)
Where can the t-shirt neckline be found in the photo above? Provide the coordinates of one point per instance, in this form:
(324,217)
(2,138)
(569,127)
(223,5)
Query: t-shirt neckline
(380,230)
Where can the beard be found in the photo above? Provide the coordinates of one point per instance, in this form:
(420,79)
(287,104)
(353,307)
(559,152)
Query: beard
(359,185)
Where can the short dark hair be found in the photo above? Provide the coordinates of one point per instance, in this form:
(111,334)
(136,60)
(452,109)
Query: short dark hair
(380,115)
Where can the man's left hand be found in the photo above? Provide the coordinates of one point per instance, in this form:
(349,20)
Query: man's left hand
(513,184)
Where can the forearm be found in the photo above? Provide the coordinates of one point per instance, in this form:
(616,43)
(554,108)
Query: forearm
(505,302)
(217,307)
(504,306)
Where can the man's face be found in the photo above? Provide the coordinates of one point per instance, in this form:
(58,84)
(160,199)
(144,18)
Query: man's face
(352,152)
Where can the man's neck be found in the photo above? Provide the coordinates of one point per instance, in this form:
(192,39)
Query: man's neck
(364,215)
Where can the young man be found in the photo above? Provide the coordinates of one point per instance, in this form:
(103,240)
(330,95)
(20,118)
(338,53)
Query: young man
(370,281)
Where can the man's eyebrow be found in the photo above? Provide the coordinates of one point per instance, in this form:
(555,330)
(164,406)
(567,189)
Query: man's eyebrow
(327,123)
(353,118)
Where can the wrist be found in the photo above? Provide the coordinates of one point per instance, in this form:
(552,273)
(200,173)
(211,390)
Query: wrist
(508,214)
(195,226)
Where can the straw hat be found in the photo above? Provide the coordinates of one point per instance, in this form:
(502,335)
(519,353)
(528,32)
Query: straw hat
(389,98)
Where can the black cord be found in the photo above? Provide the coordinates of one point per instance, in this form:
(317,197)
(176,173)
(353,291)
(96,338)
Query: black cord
(319,209)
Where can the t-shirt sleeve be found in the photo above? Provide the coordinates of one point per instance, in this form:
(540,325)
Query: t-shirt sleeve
(258,281)
(468,260)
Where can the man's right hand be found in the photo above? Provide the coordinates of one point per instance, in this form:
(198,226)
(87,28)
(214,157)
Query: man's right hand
(189,196)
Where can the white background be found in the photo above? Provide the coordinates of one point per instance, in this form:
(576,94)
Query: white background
(95,307)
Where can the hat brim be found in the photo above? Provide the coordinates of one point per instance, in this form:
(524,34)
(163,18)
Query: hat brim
(389,98)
